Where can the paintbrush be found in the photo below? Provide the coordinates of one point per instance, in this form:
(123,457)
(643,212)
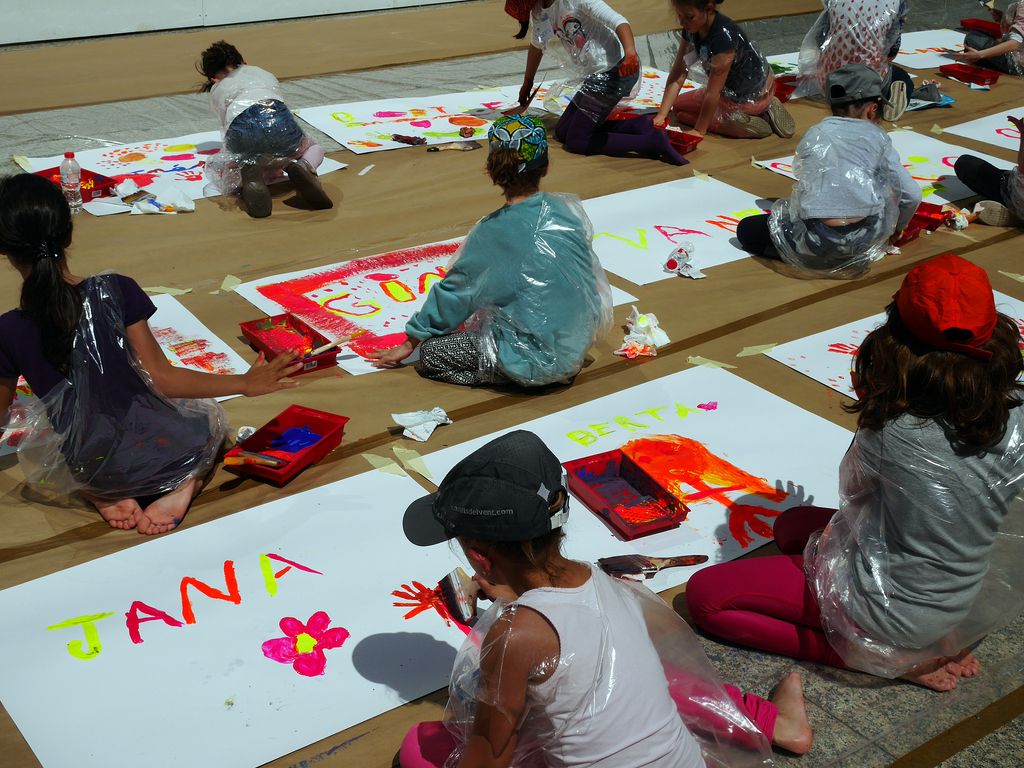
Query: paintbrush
(632,565)
(460,146)
(522,107)
(460,593)
(251,457)
(329,345)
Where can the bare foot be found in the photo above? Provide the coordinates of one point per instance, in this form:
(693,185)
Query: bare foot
(168,511)
(934,675)
(964,664)
(122,514)
(792,729)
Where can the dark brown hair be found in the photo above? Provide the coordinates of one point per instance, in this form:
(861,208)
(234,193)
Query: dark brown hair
(536,553)
(844,110)
(503,168)
(35,229)
(217,58)
(896,374)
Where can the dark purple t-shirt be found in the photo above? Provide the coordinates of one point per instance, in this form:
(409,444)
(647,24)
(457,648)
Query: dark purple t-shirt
(21,347)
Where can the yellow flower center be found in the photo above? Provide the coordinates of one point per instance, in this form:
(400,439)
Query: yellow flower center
(305,643)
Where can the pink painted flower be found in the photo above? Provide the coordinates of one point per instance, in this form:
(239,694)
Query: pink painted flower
(303,645)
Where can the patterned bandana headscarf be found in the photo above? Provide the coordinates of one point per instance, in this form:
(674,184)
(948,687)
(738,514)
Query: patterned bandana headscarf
(524,134)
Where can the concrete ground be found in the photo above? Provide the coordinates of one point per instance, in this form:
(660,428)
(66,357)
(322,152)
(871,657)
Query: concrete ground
(859,720)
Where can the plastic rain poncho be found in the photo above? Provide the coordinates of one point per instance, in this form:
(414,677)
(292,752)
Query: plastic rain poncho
(851,32)
(750,79)
(579,707)
(1013,192)
(845,168)
(579,35)
(923,557)
(257,127)
(528,281)
(112,442)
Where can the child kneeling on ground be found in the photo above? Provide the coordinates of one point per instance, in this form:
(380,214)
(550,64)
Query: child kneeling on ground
(113,420)
(571,667)
(738,97)
(922,558)
(260,133)
(1003,191)
(1005,54)
(852,196)
(526,297)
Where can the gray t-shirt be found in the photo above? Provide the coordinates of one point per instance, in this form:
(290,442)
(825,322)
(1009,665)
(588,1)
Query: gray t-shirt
(926,519)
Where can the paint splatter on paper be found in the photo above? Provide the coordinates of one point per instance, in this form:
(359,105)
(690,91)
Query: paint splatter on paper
(419,598)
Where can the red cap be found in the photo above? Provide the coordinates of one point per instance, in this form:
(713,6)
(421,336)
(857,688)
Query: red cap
(519,9)
(69,154)
(944,295)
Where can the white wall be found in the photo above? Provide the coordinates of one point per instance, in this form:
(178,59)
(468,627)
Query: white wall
(59,19)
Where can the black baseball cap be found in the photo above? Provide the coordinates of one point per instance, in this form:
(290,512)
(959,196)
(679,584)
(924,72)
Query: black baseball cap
(503,491)
(854,82)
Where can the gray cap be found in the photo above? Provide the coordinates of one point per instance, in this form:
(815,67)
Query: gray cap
(854,82)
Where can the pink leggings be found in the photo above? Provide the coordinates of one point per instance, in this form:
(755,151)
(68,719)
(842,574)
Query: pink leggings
(765,602)
(428,745)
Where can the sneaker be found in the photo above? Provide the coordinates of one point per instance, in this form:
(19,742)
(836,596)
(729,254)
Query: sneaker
(781,122)
(929,92)
(255,194)
(307,184)
(897,105)
(744,126)
(997,215)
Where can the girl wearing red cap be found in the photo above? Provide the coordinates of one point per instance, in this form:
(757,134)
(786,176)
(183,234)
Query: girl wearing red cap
(595,44)
(921,560)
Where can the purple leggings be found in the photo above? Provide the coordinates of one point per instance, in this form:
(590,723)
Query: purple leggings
(765,602)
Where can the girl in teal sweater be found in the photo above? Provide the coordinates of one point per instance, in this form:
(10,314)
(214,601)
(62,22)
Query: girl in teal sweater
(526,297)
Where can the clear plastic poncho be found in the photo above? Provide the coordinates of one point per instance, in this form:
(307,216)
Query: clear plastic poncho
(923,557)
(850,32)
(750,80)
(534,289)
(258,128)
(1013,192)
(105,430)
(579,35)
(844,168)
(594,691)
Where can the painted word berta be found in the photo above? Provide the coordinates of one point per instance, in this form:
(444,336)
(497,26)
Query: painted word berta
(139,612)
(631,424)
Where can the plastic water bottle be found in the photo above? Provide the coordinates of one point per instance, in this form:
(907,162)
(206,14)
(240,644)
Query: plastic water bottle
(71,181)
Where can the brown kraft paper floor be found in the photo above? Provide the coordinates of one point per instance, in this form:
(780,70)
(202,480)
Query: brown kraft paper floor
(438,196)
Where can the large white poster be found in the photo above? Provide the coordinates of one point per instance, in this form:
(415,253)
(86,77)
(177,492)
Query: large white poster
(234,642)
(992,129)
(636,231)
(734,453)
(929,161)
(929,49)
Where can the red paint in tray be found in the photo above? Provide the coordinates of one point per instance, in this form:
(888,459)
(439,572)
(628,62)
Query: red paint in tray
(622,494)
(278,334)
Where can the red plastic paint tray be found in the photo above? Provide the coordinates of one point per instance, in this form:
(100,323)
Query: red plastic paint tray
(683,142)
(619,492)
(967,73)
(329,426)
(990,28)
(928,216)
(93,184)
(263,339)
(785,85)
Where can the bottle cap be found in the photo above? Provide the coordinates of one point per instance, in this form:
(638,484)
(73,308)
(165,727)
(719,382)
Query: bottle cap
(69,154)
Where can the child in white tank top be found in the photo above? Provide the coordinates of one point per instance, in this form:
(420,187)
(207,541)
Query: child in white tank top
(563,670)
